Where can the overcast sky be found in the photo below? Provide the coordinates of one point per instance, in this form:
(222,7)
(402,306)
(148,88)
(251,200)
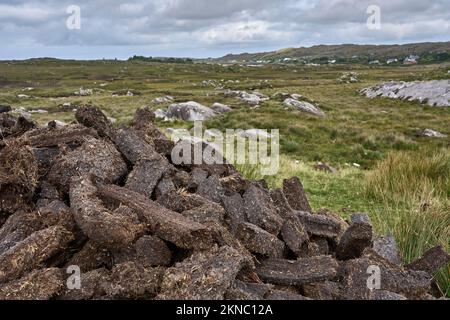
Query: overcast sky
(209,28)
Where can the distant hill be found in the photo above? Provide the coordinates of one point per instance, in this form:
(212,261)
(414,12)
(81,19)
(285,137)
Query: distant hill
(347,53)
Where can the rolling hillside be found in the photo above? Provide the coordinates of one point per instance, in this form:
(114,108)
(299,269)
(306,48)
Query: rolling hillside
(347,53)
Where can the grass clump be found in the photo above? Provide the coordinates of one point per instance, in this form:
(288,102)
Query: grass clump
(414,190)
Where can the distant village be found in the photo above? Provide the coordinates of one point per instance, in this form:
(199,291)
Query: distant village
(411,59)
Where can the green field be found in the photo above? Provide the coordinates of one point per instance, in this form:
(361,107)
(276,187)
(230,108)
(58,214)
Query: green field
(400,173)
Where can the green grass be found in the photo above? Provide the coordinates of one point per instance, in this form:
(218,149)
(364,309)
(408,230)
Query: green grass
(341,192)
(415,192)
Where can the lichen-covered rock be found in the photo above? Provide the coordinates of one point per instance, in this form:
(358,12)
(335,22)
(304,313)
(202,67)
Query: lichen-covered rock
(190,111)
(434,93)
(303,106)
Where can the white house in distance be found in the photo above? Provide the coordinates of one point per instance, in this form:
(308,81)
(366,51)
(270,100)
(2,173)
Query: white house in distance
(412,59)
(389,61)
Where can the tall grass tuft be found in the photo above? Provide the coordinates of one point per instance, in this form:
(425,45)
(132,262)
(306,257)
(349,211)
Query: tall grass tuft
(404,175)
(414,190)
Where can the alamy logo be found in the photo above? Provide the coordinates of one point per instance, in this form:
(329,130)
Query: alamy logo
(74,280)
(374,20)
(73,22)
(374,280)
(234,146)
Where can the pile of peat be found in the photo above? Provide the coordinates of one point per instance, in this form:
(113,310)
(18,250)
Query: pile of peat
(108,200)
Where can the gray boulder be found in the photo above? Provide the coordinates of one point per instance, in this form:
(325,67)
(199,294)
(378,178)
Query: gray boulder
(190,111)
(221,108)
(433,93)
(304,106)
(429,133)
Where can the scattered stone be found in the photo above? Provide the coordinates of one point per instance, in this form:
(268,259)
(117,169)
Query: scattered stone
(349,77)
(221,108)
(23,112)
(189,111)
(162,100)
(38,111)
(83,92)
(161,114)
(253,99)
(56,124)
(433,93)
(320,166)
(296,96)
(432,134)
(281,96)
(303,106)
(255,133)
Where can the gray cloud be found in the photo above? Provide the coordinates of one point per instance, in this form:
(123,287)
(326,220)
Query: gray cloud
(209,27)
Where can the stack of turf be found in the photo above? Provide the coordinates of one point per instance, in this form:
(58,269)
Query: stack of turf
(108,200)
